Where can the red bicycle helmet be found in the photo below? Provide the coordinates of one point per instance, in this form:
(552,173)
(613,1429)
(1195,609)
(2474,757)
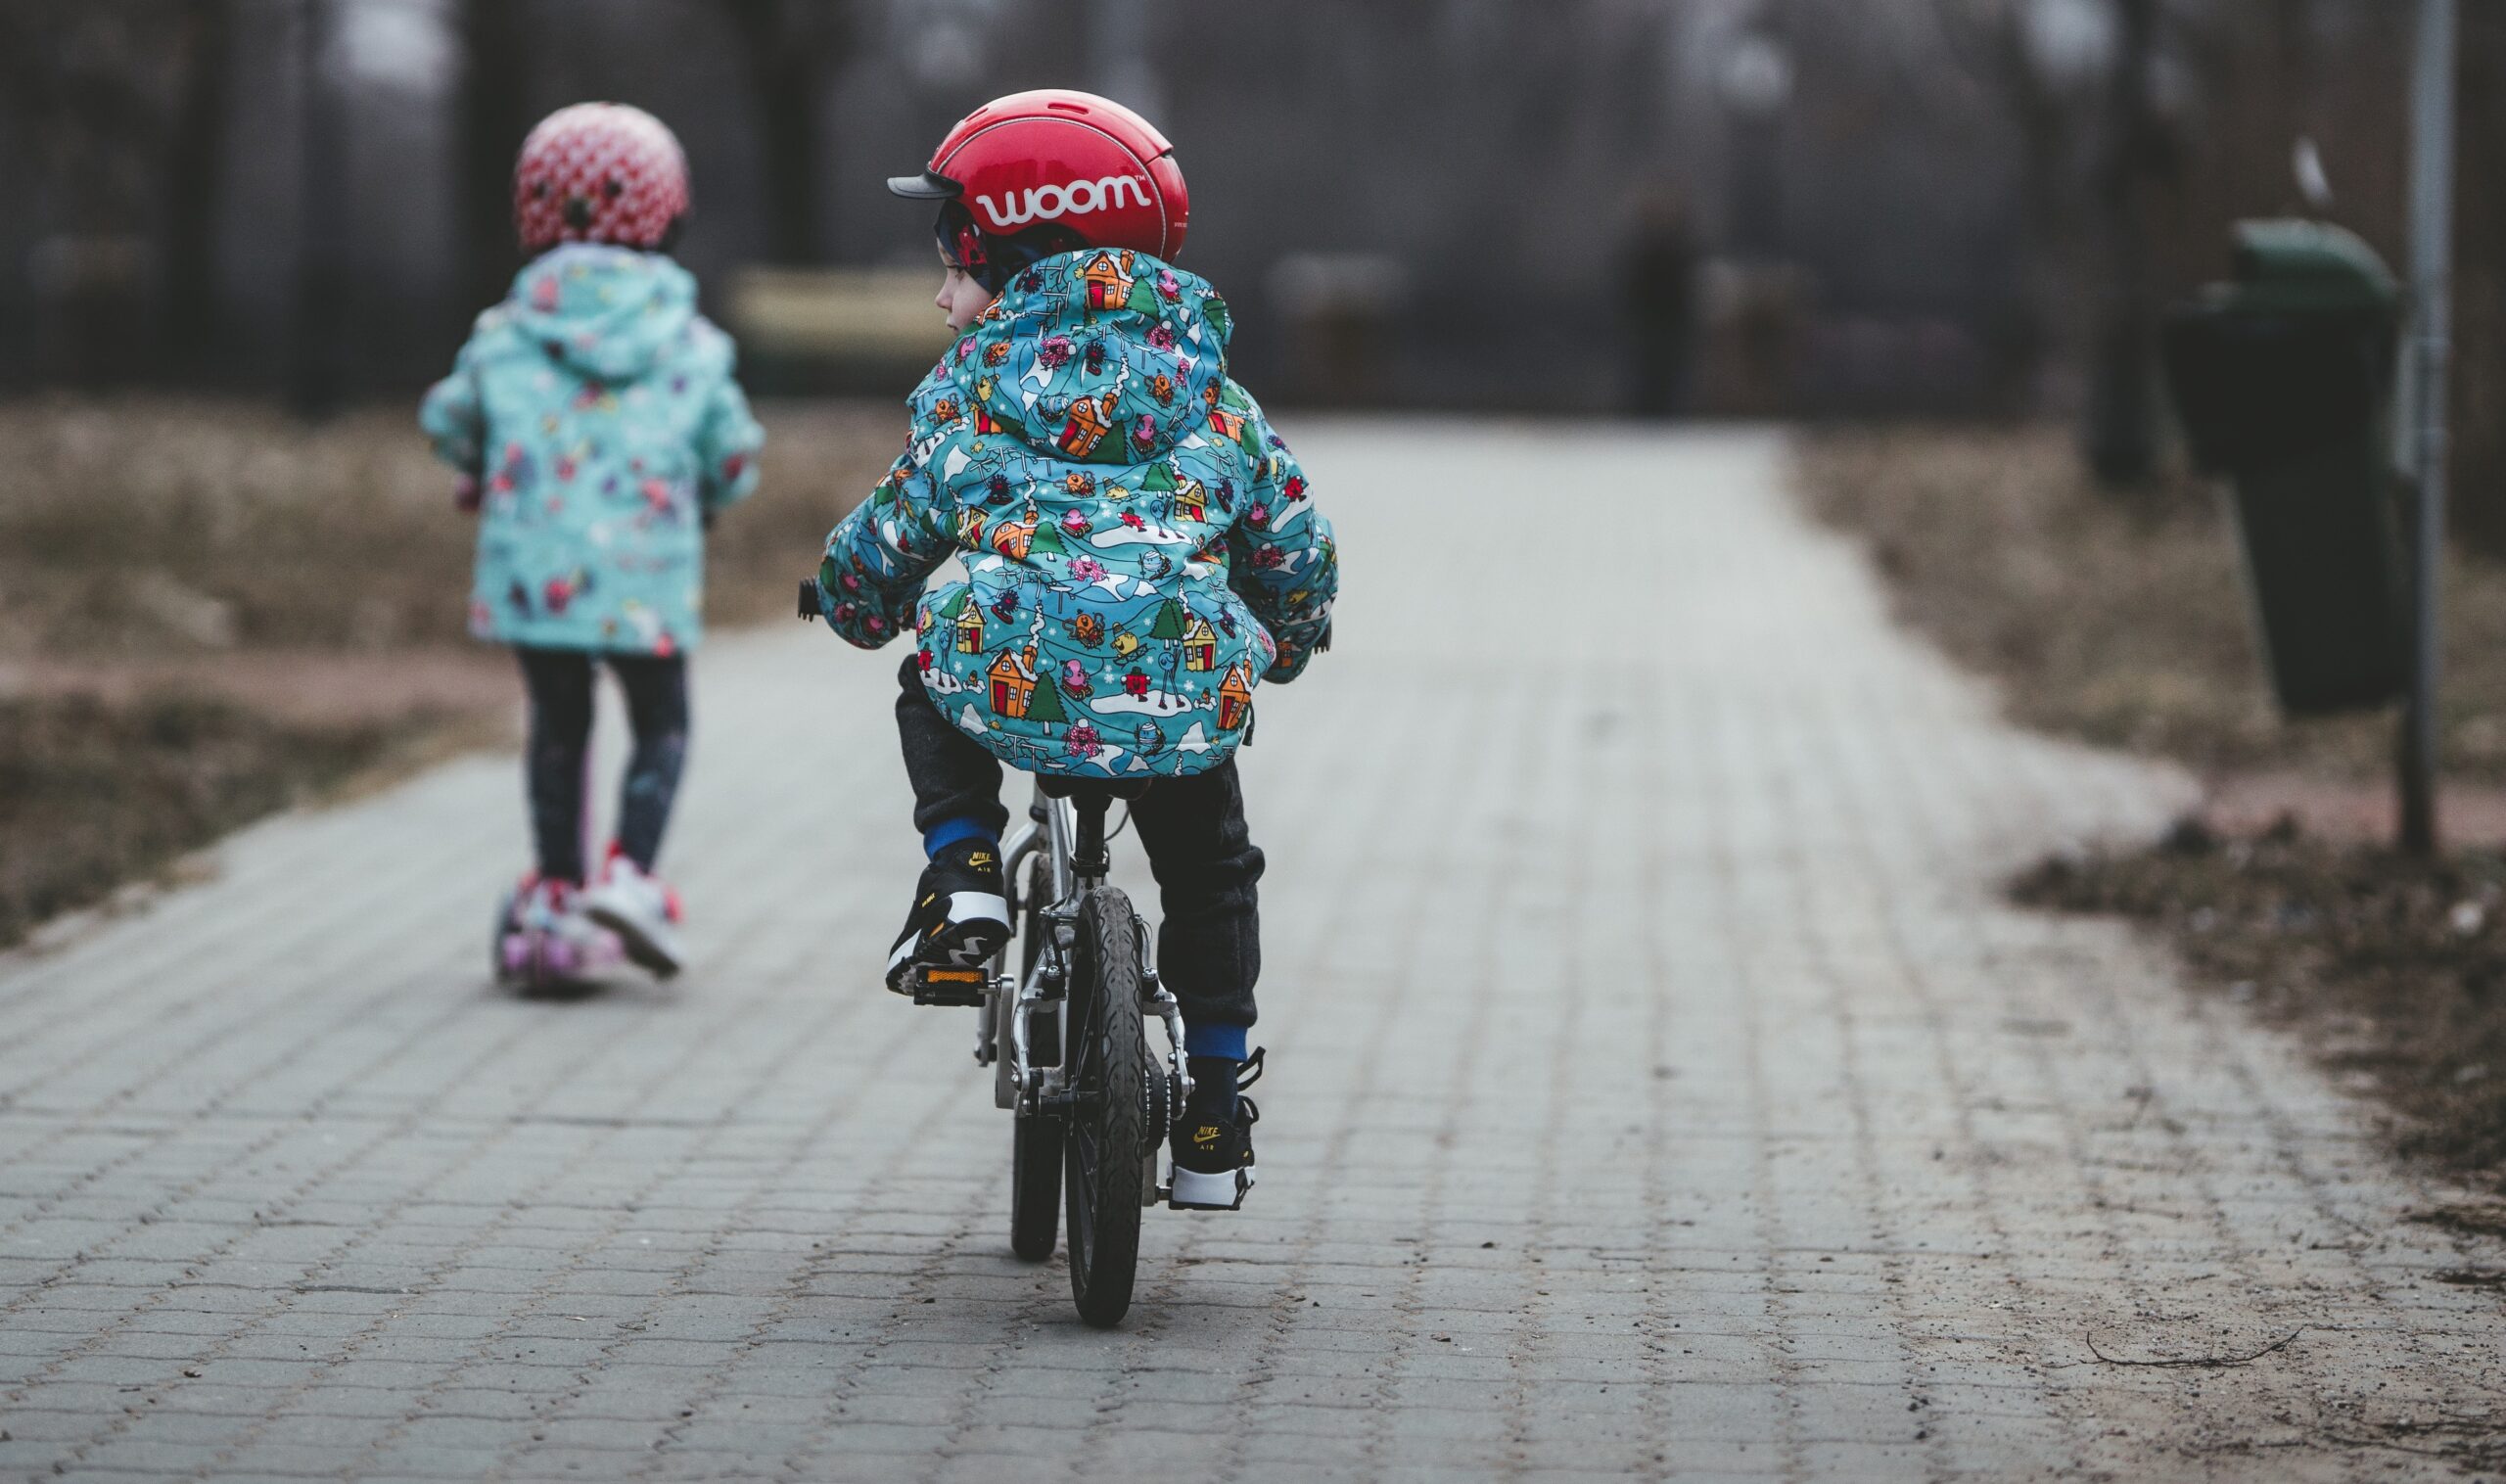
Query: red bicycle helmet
(599,172)
(1053,158)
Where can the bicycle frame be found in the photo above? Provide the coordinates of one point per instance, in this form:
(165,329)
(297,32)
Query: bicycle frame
(1073,842)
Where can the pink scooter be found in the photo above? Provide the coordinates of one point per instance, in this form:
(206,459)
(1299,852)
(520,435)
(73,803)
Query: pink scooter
(541,942)
(534,949)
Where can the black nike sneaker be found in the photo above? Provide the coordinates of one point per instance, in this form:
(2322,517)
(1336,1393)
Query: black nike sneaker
(1212,1144)
(961,917)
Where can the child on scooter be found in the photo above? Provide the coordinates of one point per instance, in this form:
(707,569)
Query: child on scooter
(598,429)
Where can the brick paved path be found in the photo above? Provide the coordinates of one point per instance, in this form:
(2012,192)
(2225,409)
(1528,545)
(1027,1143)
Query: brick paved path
(1658,1088)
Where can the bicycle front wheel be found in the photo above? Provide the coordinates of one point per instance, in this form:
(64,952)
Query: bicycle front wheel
(1104,1140)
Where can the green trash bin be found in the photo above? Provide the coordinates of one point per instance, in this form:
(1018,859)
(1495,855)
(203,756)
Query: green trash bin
(2283,381)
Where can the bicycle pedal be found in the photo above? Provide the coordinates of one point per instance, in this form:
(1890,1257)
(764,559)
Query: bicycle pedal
(950,986)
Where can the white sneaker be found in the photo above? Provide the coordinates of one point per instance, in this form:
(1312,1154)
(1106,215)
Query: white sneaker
(641,910)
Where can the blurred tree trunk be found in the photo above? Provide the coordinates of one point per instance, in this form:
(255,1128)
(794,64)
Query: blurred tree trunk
(195,172)
(2037,320)
(791,47)
(84,83)
(2479,378)
(325,197)
(2120,439)
(495,113)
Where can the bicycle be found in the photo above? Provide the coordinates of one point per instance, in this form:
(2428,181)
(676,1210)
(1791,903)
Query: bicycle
(1088,1127)
(1066,1038)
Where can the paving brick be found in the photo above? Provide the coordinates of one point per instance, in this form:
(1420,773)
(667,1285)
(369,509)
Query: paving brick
(1659,1087)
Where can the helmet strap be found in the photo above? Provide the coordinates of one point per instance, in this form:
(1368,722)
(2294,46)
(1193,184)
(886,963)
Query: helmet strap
(990,260)
(963,246)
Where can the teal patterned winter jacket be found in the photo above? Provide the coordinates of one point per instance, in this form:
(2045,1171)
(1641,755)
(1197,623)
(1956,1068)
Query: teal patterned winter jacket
(1141,549)
(597,412)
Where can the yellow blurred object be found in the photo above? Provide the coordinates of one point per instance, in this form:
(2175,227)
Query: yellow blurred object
(838,315)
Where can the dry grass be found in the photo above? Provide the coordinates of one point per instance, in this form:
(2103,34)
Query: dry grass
(160,558)
(149,527)
(2124,623)
(116,791)
(2121,620)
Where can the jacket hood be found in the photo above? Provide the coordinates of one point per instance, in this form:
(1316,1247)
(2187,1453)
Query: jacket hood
(604,311)
(1101,356)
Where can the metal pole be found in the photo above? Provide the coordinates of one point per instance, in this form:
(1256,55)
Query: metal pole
(2432,181)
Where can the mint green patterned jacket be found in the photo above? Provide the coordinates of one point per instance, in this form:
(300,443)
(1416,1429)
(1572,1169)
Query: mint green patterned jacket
(598,413)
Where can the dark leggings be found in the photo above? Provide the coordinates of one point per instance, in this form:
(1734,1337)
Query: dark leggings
(1209,948)
(560,684)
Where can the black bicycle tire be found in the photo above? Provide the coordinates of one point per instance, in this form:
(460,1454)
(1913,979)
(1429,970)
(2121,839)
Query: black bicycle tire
(1109,1058)
(1036,1152)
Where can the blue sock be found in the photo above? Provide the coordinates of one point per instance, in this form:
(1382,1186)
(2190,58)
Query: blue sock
(948,832)
(1202,1039)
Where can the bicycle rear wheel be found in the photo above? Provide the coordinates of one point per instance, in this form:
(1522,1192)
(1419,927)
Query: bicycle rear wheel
(1107,1059)
(1035,1161)
(1034,1186)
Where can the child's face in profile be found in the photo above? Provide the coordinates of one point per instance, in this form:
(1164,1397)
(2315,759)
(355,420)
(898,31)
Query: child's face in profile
(961,298)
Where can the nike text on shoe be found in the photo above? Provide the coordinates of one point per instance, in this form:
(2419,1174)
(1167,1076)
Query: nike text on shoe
(640,909)
(1213,1144)
(961,917)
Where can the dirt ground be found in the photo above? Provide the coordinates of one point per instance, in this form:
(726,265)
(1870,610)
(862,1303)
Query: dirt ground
(2121,620)
(208,610)
(2396,968)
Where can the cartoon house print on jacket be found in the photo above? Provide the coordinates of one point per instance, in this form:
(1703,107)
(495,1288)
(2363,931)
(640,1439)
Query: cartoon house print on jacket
(969,624)
(1108,277)
(1012,539)
(1200,645)
(1085,642)
(1235,699)
(1089,420)
(1013,683)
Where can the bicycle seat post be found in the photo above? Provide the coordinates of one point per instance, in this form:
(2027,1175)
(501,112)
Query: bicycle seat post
(1088,859)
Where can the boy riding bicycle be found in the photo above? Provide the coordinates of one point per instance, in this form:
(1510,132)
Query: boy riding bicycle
(1141,551)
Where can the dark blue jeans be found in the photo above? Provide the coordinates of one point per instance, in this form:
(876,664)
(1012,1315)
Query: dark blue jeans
(1209,948)
(559,681)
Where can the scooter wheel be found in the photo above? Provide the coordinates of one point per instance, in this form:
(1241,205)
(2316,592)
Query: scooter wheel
(502,961)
